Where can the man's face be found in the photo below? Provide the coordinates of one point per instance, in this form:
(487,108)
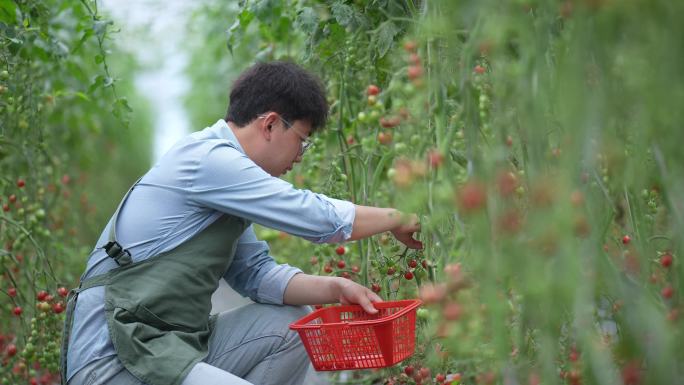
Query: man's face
(288,141)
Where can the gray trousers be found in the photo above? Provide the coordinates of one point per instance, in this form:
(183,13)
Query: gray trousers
(251,345)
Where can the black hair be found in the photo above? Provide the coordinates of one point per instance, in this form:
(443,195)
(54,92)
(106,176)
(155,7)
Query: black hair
(279,86)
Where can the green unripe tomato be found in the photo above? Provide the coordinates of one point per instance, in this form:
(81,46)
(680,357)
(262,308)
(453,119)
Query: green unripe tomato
(362,117)
(4,74)
(520,190)
(391,172)
(423,313)
(415,139)
(401,146)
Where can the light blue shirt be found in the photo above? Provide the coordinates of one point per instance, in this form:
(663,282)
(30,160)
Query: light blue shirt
(201,177)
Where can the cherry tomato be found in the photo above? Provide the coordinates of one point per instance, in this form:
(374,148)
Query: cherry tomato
(58,307)
(666,260)
(41,295)
(372,89)
(410,46)
(384,138)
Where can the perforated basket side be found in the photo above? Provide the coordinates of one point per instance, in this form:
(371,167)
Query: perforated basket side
(346,337)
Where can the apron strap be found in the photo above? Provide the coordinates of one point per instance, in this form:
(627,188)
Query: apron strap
(113,248)
(98,280)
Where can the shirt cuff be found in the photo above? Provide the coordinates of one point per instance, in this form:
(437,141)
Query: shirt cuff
(273,284)
(346,212)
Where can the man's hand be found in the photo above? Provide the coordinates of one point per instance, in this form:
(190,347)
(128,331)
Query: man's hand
(305,289)
(350,292)
(369,221)
(404,232)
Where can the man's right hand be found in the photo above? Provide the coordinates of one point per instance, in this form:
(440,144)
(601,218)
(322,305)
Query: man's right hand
(404,233)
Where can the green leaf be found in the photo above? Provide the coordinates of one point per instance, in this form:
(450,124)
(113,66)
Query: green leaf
(97,82)
(82,96)
(86,35)
(343,13)
(232,35)
(245,17)
(384,37)
(100,27)
(307,20)
(8,12)
(123,104)
(99,59)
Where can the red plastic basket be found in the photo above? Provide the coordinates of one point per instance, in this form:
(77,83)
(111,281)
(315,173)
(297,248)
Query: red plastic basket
(346,337)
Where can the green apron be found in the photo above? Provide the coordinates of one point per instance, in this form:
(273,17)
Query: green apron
(158,309)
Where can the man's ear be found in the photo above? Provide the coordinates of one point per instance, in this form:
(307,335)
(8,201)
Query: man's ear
(266,128)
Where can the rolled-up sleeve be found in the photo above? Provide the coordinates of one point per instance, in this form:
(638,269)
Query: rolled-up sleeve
(247,191)
(254,274)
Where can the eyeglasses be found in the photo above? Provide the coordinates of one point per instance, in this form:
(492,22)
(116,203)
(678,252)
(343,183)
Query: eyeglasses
(306,142)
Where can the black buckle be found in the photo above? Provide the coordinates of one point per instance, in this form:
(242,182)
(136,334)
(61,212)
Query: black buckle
(121,256)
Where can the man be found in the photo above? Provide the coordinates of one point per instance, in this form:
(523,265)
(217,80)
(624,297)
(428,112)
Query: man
(141,314)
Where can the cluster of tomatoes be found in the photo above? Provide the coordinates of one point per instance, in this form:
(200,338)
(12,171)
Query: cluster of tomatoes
(33,353)
(34,374)
(37,361)
(422,375)
(338,265)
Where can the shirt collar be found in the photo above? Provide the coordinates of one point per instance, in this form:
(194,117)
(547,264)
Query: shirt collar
(223,131)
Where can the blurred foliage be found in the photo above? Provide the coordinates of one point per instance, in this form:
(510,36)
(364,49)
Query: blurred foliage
(70,145)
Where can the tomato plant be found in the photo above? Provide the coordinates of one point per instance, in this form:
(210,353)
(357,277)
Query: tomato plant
(64,113)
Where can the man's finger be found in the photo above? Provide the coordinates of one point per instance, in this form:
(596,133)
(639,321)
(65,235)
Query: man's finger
(411,242)
(367,305)
(374,297)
